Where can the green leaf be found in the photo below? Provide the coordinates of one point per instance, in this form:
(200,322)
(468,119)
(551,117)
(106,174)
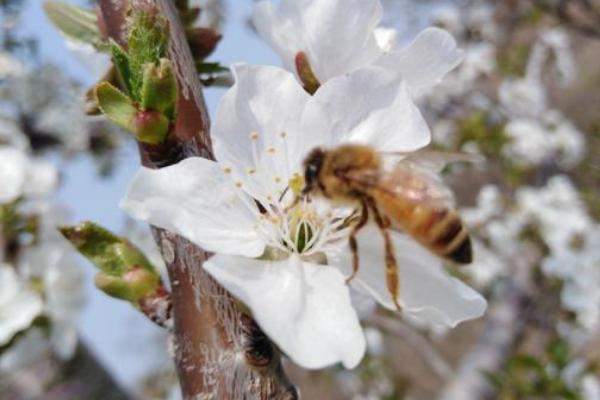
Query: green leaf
(121,62)
(526,362)
(493,378)
(148,39)
(559,353)
(159,88)
(211,68)
(74,22)
(116,105)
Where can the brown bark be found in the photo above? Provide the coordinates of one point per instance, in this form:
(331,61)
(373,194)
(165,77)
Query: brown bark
(219,352)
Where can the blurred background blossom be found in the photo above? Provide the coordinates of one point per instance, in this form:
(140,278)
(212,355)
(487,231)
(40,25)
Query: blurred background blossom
(525,97)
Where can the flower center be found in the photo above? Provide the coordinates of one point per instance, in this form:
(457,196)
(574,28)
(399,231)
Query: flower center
(307,228)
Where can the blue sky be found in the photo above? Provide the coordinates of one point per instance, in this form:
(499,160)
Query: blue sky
(123,339)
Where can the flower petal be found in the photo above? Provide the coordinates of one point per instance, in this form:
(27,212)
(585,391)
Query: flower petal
(426,291)
(340,35)
(304,308)
(281,27)
(18,305)
(195,199)
(13,173)
(255,132)
(337,35)
(423,63)
(369,106)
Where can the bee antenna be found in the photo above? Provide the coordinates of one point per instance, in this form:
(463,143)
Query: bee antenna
(284,193)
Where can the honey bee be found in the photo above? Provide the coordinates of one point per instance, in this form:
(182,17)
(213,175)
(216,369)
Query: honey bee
(406,195)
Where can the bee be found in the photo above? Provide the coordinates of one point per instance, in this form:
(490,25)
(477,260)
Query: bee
(403,192)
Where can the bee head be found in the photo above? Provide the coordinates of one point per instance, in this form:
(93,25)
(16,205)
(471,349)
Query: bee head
(312,168)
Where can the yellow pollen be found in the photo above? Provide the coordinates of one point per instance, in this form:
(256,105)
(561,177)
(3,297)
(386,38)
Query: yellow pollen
(227,170)
(269,197)
(238,184)
(251,171)
(271,150)
(253,135)
(277,179)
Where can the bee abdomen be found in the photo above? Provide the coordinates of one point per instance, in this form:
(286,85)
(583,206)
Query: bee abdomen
(443,232)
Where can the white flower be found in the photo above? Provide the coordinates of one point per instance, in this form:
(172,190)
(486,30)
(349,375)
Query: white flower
(557,210)
(551,138)
(289,265)
(486,265)
(580,271)
(13,173)
(523,97)
(553,45)
(590,387)
(340,36)
(61,282)
(19,175)
(18,305)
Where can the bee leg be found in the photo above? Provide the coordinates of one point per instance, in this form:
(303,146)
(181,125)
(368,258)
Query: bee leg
(392,276)
(364,217)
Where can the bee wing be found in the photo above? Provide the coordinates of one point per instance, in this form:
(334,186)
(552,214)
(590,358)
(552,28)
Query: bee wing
(408,180)
(431,159)
(417,182)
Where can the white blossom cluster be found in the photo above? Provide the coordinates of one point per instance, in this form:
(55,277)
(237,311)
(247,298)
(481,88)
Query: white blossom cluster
(538,136)
(541,221)
(41,288)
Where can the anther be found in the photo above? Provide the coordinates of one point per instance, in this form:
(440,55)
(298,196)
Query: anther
(253,135)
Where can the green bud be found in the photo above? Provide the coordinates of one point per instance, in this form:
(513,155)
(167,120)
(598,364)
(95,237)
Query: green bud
(202,41)
(125,272)
(132,286)
(150,127)
(113,286)
(113,255)
(141,283)
(159,87)
(74,22)
(306,74)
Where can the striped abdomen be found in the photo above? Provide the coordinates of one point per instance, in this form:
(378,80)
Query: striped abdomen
(440,230)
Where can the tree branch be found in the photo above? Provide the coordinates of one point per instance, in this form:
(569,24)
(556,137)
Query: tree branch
(220,353)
